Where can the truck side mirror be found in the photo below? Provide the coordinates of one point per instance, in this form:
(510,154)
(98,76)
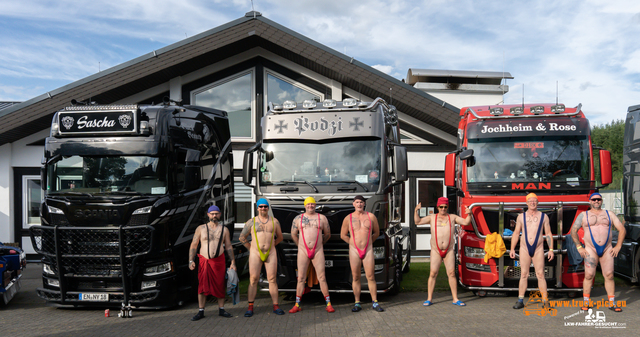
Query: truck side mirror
(192,174)
(43,178)
(606,176)
(400,163)
(247,168)
(450,170)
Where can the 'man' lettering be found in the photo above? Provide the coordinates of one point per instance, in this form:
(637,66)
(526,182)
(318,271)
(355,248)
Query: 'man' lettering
(531,186)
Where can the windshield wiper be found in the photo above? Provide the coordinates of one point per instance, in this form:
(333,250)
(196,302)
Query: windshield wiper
(119,192)
(297,182)
(72,193)
(348,182)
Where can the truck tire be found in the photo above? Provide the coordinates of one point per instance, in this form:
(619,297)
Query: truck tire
(407,267)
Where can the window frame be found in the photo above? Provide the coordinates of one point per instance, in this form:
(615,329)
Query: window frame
(294,83)
(26,200)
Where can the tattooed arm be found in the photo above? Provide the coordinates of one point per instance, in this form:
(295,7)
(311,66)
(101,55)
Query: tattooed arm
(325,229)
(295,229)
(194,248)
(574,233)
(227,246)
(344,231)
(246,233)
(278,230)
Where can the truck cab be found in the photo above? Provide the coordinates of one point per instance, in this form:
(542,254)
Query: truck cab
(333,151)
(125,188)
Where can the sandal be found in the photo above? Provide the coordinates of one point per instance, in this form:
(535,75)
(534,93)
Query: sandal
(426,303)
(459,303)
(615,308)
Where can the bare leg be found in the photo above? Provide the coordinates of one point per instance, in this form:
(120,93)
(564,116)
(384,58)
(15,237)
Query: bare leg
(369,270)
(606,265)
(303,268)
(538,265)
(356,265)
(450,266)
(590,263)
(202,300)
(525,264)
(434,268)
(271,266)
(318,264)
(255,265)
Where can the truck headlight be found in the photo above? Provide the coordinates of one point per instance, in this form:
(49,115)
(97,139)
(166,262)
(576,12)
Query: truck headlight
(480,267)
(143,210)
(54,210)
(148,284)
(378,252)
(53,283)
(477,253)
(159,269)
(47,269)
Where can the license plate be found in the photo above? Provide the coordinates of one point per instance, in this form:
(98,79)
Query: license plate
(328,263)
(516,263)
(95,297)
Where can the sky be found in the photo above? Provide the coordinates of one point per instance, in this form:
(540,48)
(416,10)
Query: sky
(588,49)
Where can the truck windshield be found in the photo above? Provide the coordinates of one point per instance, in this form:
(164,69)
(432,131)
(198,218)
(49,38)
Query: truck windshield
(116,175)
(354,163)
(564,160)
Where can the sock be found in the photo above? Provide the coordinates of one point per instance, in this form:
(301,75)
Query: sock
(357,304)
(521,299)
(250,306)
(276,307)
(545,298)
(586,298)
(201,310)
(298,298)
(375,303)
(612,300)
(328,300)
(220,310)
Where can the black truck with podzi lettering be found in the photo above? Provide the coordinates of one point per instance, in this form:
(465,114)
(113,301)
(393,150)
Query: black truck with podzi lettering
(125,188)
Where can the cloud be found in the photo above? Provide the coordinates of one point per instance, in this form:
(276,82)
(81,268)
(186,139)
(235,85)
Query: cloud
(383,68)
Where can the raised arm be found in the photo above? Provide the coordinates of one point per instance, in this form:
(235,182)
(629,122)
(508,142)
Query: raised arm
(229,248)
(464,221)
(417,219)
(246,234)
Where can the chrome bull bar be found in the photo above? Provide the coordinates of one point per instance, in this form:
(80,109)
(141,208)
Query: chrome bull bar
(559,206)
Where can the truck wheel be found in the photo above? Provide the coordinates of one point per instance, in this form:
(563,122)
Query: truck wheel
(397,277)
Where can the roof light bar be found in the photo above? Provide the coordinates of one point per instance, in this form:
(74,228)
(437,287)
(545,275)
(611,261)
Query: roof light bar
(101,107)
(349,102)
(329,103)
(289,105)
(496,111)
(309,104)
(536,110)
(516,110)
(558,108)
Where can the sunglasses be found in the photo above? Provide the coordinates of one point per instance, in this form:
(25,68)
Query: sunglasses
(596,199)
(262,206)
(443,207)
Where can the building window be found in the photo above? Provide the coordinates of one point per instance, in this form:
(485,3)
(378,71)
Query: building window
(32,194)
(280,89)
(244,203)
(429,190)
(234,95)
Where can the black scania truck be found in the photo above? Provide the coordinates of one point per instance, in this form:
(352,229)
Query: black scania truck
(126,186)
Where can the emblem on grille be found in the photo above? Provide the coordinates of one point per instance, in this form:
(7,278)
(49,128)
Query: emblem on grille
(124,120)
(67,122)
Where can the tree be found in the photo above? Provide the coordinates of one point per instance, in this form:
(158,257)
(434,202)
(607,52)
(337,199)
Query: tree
(610,136)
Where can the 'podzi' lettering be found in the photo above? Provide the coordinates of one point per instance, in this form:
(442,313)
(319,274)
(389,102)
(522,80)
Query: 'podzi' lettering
(105,123)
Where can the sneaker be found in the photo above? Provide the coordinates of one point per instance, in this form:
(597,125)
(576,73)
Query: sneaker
(330,308)
(223,313)
(357,307)
(518,305)
(295,309)
(377,307)
(198,316)
(278,311)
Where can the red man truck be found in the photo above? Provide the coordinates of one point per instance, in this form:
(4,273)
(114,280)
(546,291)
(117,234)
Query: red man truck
(505,152)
